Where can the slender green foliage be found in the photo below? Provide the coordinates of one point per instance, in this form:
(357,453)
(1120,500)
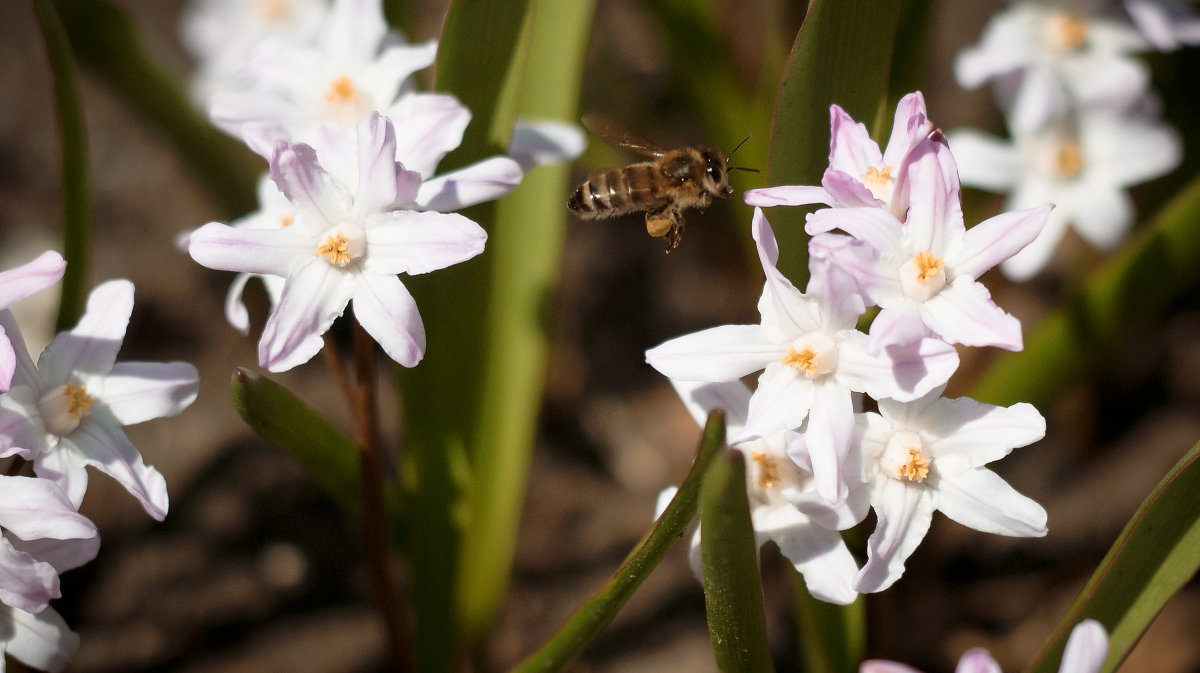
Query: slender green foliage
(76,172)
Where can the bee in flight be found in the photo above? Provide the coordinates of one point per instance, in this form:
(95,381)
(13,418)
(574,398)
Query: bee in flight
(663,187)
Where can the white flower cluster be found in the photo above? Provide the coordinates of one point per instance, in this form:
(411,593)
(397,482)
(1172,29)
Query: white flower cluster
(324,91)
(62,415)
(1082,120)
(815,466)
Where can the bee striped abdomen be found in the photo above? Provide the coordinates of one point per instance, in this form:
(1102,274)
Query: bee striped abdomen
(615,192)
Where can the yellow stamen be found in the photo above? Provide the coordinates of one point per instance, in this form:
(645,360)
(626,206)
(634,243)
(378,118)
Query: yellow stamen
(879,182)
(768,471)
(337,248)
(81,402)
(927,265)
(805,361)
(1070,31)
(917,467)
(287,220)
(341,91)
(1069,159)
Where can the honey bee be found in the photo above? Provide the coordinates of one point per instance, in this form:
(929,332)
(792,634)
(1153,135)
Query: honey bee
(663,187)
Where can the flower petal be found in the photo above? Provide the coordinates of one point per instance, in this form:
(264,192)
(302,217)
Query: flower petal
(42,640)
(996,239)
(883,666)
(830,427)
(91,347)
(723,353)
(1101,215)
(700,398)
(1086,650)
(786,195)
(1035,256)
(405,241)
(780,402)
(25,582)
(430,125)
(785,312)
(876,226)
(104,446)
(984,161)
(908,127)
(964,313)
(903,516)
(481,181)
(901,371)
(376,167)
(312,299)
(262,251)
(935,208)
(981,500)
(819,554)
(977,660)
(967,434)
(851,149)
(139,391)
(38,274)
(63,465)
(384,307)
(545,142)
(37,508)
(295,169)
(898,325)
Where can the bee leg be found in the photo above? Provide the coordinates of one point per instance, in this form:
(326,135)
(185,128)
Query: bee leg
(667,222)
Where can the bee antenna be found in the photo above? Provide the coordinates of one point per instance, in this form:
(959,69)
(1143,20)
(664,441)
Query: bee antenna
(739,146)
(743,168)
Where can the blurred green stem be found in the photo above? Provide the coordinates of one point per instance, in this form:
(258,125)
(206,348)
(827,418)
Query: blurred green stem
(76,172)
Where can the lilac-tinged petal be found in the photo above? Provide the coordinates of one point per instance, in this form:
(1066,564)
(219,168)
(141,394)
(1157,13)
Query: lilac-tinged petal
(37,508)
(830,426)
(25,582)
(8,361)
(908,127)
(139,391)
(545,142)
(257,117)
(1086,650)
(311,301)
(1129,151)
(902,371)
(903,516)
(841,516)
(848,191)
(385,76)
(935,212)
(898,325)
(874,225)
(786,195)
(981,500)
(42,640)
(91,347)
(836,290)
(263,251)
(65,554)
(733,397)
(851,149)
(431,125)
(723,353)
(1125,80)
(295,169)
(376,166)
(964,313)
(977,661)
(481,181)
(384,307)
(785,312)
(405,241)
(781,402)
(1034,98)
(996,239)
(984,161)
(104,446)
(883,666)
(819,554)
(967,434)
(1035,256)
(235,310)
(876,280)
(64,466)
(39,274)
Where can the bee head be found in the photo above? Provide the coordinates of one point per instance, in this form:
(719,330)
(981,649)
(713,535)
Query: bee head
(716,176)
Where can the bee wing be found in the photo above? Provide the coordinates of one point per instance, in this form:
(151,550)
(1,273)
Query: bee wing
(617,135)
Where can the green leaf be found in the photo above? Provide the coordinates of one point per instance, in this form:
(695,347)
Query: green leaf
(832,637)
(732,585)
(327,454)
(590,619)
(77,199)
(842,55)
(480,60)
(106,41)
(1133,288)
(1154,557)
(525,247)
